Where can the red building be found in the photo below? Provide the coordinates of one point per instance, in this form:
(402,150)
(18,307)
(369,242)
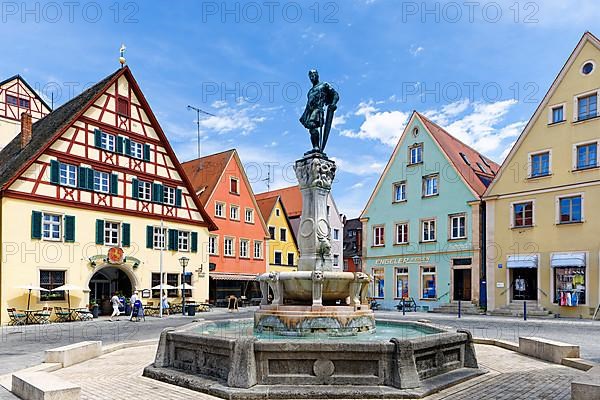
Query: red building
(237,249)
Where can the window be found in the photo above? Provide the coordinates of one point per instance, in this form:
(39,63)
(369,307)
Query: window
(50,280)
(68,175)
(481,167)
(249,215)
(123,106)
(378,283)
(345,265)
(234,213)
(428,282)
(220,210)
(430,185)
(416,154)
(272,232)
(111,233)
(137,150)
(23,103)
(402,233)
(283,234)
(188,281)
(428,230)
(234,186)
(244,245)
(213,245)
(107,141)
(52,227)
(173,280)
(399,192)
(401,283)
(378,236)
(290,259)
(336,234)
(277,260)
(587,156)
(258,249)
(101,181)
(523,214)
(328,210)
(159,241)
(540,164)
(569,286)
(169,195)
(277,212)
(183,240)
(458,227)
(465,159)
(336,260)
(587,68)
(156,282)
(144,190)
(558,114)
(228,248)
(570,209)
(587,107)
(12,100)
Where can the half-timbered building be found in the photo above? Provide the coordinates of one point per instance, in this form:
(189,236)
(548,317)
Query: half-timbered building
(16,97)
(93,195)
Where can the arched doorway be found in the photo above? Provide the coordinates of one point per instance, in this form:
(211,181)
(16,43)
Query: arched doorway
(106,281)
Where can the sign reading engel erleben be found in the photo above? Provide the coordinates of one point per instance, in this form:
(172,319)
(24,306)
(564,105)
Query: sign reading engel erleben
(402,260)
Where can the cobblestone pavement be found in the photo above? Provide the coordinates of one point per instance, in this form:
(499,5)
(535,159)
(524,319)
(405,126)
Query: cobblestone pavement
(511,376)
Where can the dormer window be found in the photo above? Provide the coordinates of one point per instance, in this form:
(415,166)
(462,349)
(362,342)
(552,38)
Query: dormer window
(481,168)
(485,162)
(465,159)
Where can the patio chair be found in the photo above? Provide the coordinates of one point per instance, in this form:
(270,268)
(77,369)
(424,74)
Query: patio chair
(408,304)
(62,315)
(16,317)
(43,317)
(84,314)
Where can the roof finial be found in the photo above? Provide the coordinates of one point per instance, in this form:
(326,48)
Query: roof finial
(122,55)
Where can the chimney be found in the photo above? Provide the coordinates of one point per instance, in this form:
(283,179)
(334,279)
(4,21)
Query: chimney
(25,129)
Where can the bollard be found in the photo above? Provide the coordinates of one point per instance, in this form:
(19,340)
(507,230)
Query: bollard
(525,311)
(459,309)
(403,307)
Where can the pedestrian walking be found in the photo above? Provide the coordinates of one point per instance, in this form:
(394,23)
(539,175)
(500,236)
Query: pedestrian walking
(116,303)
(132,300)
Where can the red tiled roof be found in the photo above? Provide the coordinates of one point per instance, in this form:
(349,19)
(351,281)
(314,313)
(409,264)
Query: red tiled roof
(204,172)
(266,205)
(477,179)
(290,197)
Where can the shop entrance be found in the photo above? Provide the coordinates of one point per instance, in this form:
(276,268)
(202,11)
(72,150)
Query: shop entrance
(524,283)
(104,283)
(462,284)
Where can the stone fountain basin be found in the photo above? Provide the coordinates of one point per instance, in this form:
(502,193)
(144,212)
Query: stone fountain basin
(297,285)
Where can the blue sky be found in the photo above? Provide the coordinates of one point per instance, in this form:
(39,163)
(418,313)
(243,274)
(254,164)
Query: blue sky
(477,68)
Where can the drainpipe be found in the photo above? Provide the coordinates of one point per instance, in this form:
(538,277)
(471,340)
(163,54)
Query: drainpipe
(483,256)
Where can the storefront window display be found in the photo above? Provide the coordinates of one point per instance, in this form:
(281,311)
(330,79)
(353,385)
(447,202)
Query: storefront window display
(428,275)
(378,283)
(402,283)
(569,286)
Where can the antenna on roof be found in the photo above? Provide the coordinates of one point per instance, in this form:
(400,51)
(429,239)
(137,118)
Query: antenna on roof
(198,112)
(268,180)
(122,55)
(52,100)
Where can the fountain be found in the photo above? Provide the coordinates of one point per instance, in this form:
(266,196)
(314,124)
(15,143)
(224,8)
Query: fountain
(317,338)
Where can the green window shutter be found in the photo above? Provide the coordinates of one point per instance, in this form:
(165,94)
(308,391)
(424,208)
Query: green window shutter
(157,193)
(172,240)
(99,231)
(146,152)
(36,225)
(127,145)
(90,179)
(54,173)
(114,184)
(69,228)
(82,177)
(97,138)
(134,188)
(120,144)
(194,242)
(126,235)
(177,197)
(149,237)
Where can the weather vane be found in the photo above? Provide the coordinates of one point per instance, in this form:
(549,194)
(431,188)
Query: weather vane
(122,55)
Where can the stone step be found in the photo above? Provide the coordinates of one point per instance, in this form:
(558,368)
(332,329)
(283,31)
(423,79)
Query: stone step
(509,313)
(452,308)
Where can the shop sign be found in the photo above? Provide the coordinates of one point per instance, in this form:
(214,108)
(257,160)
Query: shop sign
(115,255)
(402,260)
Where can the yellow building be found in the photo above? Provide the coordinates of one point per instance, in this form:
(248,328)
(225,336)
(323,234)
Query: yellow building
(543,223)
(93,196)
(282,248)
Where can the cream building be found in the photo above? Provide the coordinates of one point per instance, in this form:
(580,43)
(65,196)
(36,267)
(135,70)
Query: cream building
(542,220)
(93,196)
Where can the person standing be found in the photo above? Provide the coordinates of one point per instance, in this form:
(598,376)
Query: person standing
(134,298)
(116,303)
(165,303)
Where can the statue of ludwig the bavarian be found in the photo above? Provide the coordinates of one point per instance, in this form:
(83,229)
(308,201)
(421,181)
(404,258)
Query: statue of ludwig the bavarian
(315,118)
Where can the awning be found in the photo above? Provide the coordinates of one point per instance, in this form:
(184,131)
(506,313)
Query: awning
(230,276)
(568,260)
(522,261)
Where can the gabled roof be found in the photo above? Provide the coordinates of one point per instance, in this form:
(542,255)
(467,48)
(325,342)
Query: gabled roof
(20,78)
(290,196)
(459,154)
(587,37)
(14,160)
(475,179)
(266,206)
(205,172)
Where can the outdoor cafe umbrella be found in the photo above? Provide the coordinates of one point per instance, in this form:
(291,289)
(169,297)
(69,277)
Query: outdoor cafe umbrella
(68,287)
(185,286)
(30,288)
(164,287)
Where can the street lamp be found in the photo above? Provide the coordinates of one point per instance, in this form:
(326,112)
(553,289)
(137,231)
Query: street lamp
(357,260)
(183,261)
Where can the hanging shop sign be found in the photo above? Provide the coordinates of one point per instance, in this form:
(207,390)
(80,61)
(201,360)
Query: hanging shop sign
(114,257)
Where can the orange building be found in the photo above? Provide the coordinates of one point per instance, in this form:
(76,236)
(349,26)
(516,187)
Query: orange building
(237,248)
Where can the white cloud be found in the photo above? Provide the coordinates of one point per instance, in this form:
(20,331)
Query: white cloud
(384,126)
(360,166)
(415,50)
(242,118)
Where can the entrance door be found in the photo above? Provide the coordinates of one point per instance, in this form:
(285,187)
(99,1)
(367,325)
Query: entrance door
(107,281)
(524,283)
(462,285)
